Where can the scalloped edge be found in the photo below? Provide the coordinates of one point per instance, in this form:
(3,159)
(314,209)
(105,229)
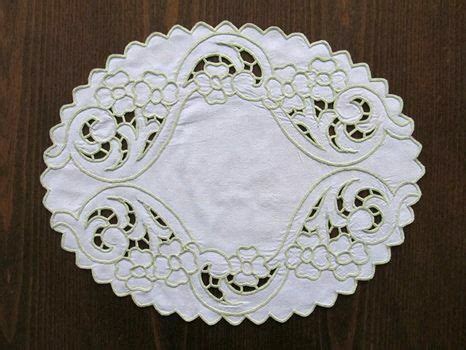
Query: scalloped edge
(270,315)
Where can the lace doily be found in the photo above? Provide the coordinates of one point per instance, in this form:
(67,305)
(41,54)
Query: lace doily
(224,172)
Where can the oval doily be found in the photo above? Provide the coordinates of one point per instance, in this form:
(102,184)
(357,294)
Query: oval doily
(224,172)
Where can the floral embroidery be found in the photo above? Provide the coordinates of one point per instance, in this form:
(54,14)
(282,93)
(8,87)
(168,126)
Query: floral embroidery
(115,93)
(132,238)
(347,256)
(287,88)
(154,93)
(325,79)
(214,83)
(137,270)
(248,266)
(309,257)
(174,263)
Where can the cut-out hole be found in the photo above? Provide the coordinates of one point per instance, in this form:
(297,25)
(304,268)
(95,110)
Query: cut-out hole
(161,222)
(320,104)
(199,66)
(213,59)
(257,71)
(100,154)
(98,240)
(364,193)
(247,57)
(365,107)
(113,220)
(205,278)
(248,289)
(357,135)
(216,292)
(106,212)
(106,146)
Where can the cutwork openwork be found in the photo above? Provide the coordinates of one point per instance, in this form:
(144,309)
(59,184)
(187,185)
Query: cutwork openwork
(224,172)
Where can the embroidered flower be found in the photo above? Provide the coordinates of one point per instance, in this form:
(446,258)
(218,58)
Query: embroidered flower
(174,263)
(348,256)
(214,83)
(154,94)
(286,88)
(137,270)
(115,93)
(325,79)
(308,257)
(248,266)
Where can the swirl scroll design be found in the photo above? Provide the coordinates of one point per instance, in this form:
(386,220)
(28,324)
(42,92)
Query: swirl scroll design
(332,110)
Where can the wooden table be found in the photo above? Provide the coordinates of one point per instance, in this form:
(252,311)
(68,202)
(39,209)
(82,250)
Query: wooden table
(49,47)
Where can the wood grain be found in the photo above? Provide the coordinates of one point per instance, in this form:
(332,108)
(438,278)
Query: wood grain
(48,47)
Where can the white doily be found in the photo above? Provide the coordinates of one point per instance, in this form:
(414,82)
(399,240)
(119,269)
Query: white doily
(224,172)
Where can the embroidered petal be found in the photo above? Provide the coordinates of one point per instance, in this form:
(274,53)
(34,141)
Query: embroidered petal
(301,84)
(307,271)
(342,272)
(274,89)
(123,105)
(139,284)
(104,96)
(358,253)
(202,81)
(123,269)
(244,84)
(118,79)
(293,255)
(216,96)
(245,280)
(235,263)
(312,76)
(216,69)
(142,93)
(322,93)
(170,94)
(152,109)
(155,80)
(227,85)
(306,255)
(338,80)
(177,277)
(271,104)
(340,244)
(320,257)
(171,248)
(344,258)
(161,267)
(247,253)
(285,74)
(188,262)
(258,267)
(308,241)
(143,258)
(323,65)
(295,102)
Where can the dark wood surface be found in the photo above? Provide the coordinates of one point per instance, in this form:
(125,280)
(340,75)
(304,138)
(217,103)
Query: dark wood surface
(416,301)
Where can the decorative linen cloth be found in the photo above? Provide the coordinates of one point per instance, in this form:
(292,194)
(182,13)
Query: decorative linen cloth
(224,172)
